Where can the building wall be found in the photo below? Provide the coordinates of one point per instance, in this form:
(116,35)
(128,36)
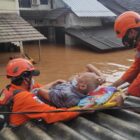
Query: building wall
(70,41)
(8,6)
(74,21)
(28,4)
(58,4)
(60,22)
(68,21)
(42,6)
(39,23)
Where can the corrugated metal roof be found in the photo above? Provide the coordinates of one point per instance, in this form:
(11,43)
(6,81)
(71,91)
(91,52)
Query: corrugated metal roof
(120,6)
(14,28)
(43,14)
(88,8)
(119,124)
(97,38)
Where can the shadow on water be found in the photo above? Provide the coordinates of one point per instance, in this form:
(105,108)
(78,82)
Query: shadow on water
(60,62)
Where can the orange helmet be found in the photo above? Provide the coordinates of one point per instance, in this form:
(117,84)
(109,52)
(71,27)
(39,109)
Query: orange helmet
(17,66)
(126,21)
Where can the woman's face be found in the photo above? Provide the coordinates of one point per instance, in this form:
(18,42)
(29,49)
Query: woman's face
(88,81)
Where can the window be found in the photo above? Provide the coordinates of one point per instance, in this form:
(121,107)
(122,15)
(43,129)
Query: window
(43,1)
(35,2)
(25,3)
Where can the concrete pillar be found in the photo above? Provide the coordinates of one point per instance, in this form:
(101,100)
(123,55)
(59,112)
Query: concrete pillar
(51,34)
(70,40)
(17,6)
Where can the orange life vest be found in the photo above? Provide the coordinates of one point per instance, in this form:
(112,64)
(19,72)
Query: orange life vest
(6,101)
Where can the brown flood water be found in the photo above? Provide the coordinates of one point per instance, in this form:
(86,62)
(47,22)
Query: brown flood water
(60,62)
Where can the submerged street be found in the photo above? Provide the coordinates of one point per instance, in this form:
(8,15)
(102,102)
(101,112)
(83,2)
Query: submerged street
(64,38)
(61,62)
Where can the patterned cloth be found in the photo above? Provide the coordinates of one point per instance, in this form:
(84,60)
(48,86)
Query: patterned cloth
(65,95)
(97,97)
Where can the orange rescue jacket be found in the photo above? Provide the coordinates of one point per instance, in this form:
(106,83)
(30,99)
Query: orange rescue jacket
(132,75)
(24,101)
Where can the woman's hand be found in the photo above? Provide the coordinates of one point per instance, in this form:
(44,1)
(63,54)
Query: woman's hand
(59,81)
(54,83)
(101,80)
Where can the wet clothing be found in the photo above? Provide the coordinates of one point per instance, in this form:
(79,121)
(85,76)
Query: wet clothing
(132,75)
(65,95)
(24,101)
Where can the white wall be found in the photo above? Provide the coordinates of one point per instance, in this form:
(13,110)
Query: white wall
(73,21)
(8,6)
(70,21)
(42,7)
(60,22)
(39,23)
(70,41)
(38,6)
(58,4)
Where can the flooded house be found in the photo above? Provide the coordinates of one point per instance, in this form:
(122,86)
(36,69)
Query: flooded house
(73,22)
(59,21)
(13,28)
(120,6)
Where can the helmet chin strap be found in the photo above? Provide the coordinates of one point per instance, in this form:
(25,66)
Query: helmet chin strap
(28,83)
(134,43)
(130,42)
(136,38)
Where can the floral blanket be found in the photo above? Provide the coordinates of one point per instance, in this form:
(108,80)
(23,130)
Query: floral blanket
(98,97)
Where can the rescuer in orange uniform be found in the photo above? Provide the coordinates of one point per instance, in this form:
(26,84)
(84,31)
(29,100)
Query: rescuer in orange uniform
(20,71)
(127,27)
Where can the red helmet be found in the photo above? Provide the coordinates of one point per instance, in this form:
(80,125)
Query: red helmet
(17,66)
(126,21)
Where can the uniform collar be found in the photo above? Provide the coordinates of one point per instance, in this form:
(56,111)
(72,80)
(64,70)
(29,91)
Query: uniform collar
(17,87)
